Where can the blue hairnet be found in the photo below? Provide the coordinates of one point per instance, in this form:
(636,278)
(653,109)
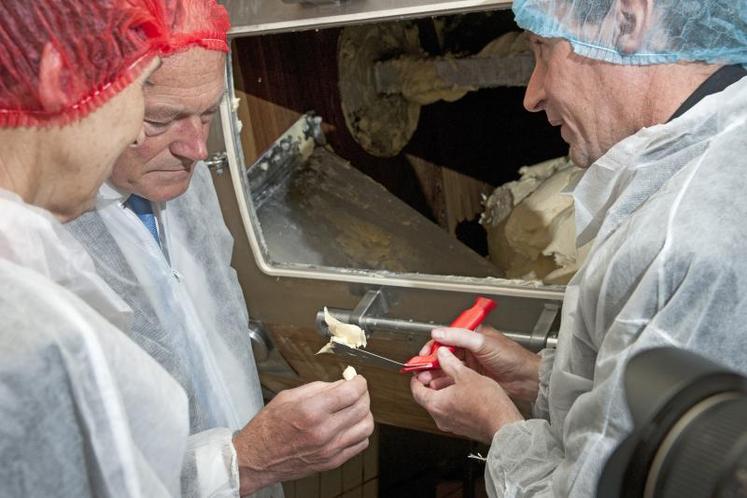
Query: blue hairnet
(712,31)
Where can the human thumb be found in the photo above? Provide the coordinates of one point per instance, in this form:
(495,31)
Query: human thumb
(450,364)
(460,338)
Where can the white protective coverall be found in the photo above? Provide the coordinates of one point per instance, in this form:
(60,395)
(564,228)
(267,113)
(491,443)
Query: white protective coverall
(190,316)
(84,411)
(668,212)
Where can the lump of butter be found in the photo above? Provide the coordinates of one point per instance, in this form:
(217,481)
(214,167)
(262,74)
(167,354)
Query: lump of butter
(349,373)
(531,225)
(343,333)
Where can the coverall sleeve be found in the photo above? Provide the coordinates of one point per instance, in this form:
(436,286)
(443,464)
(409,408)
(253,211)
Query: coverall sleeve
(210,465)
(541,409)
(699,307)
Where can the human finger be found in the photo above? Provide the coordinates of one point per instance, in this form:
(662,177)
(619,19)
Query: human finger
(356,433)
(341,395)
(489,331)
(441,382)
(424,378)
(450,364)
(311,388)
(426,348)
(349,416)
(326,427)
(461,338)
(360,408)
(346,454)
(421,394)
(427,376)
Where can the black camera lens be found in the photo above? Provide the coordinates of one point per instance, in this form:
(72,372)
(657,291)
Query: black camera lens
(734,482)
(702,451)
(690,430)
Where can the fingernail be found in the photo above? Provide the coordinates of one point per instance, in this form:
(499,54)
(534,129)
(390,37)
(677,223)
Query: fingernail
(438,334)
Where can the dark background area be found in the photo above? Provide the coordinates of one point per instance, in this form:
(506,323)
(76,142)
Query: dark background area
(487,134)
(418,465)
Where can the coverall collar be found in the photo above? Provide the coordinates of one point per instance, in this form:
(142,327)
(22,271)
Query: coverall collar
(622,172)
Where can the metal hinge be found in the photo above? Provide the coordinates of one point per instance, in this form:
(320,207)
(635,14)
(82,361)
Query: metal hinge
(217,161)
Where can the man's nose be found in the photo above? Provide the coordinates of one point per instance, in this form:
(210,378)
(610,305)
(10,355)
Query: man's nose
(192,140)
(534,98)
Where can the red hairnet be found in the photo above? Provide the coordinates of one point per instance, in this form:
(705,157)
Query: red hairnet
(102,46)
(201,23)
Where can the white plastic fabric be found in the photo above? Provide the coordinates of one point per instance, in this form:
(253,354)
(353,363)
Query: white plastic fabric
(190,316)
(667,210)
(682,30)
(84,411)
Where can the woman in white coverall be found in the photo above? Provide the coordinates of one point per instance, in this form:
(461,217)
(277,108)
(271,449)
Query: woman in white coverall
(83,410)
(651,96)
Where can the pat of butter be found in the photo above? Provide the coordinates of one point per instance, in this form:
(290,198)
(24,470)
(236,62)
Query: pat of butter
(343,333)
(349,373)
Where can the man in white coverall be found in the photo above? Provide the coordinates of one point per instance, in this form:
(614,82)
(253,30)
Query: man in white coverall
(158,238)
(651,95)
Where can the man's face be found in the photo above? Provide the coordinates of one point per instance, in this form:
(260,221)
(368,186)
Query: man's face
(95,141)
(181,99)
(593,102)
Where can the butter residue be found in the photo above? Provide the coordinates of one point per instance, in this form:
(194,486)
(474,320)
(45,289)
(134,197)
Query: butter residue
(349,373)
(530,224)
(343,333)
(422,83)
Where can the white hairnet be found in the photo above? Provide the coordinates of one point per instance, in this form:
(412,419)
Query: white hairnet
(85,412)
(679,30)
(666,210)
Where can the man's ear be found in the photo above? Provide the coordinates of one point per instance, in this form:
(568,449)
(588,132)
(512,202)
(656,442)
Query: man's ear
(51,88)
(633,20)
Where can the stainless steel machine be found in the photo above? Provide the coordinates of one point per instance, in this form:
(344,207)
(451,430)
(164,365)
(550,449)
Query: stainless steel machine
(312,229)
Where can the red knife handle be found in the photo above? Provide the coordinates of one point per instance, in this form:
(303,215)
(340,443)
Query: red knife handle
(468,319)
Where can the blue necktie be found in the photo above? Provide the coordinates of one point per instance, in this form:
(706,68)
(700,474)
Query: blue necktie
(142,208)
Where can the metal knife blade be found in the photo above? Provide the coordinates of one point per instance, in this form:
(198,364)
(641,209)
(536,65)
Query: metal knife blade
(366,357)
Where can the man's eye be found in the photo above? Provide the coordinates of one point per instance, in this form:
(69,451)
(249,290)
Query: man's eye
(156,124)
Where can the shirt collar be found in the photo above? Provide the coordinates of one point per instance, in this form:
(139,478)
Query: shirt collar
(109,194)
(717,82)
